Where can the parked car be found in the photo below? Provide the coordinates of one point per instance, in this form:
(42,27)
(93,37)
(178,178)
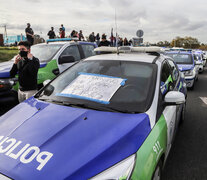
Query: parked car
(200,61)
(110,116)
(54,55)
(186,64)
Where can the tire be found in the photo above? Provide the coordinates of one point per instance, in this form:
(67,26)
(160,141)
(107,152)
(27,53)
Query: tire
(191,88)
(182,117)
(157,175)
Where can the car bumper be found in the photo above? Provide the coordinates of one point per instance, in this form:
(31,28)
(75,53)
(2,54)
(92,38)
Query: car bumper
(190,81)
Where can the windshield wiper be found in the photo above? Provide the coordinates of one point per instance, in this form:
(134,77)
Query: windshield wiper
(114,109)
(98,108)
(82,106)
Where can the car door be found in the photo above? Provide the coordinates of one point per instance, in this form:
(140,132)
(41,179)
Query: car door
(71,50)
(169,112)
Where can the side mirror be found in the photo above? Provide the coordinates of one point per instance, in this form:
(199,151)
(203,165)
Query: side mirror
(174,98)
(66,59)
(48,90)
(46,82)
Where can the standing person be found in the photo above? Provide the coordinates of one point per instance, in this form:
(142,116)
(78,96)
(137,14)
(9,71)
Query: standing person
(72,34)
(29,33)
(26,65)
(104,41)
(63,31)
(126,42)
(51,33)
(97,39)
(92,37)
(81,37)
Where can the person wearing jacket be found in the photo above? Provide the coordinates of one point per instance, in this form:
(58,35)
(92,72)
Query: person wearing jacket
(26,65)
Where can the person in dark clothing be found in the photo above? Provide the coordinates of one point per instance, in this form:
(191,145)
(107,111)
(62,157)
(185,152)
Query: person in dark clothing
(97,38)
(92,37)
(51,33)
(80,36)
(29,33)
(26,65)
(104,41)
(126,42)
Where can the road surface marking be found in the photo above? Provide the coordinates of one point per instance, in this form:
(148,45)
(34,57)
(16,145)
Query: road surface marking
(204,99)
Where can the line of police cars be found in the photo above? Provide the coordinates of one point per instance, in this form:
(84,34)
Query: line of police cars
(109,116)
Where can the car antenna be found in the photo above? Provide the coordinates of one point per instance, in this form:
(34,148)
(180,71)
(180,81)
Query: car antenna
(116,34)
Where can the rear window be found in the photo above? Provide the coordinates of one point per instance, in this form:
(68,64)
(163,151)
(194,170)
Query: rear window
(182,58)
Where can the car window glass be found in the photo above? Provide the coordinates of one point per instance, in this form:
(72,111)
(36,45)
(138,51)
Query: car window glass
(88,50)
(166,83)
(45,52)
(72,51)
(181,58)
(133,96)
(174,70)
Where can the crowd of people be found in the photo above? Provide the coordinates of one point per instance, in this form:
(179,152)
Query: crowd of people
(100,40)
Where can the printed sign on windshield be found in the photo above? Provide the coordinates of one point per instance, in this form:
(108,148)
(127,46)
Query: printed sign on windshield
(94,87)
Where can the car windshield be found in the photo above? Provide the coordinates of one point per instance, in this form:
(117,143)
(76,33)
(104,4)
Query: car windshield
(181,58)
(45,52)
(197,57)
(107,85)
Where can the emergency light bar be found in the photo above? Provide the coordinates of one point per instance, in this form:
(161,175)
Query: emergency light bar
(106,49)
(62,39)
(122,49)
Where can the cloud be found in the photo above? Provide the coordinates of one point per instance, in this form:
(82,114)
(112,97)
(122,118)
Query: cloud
(160,20)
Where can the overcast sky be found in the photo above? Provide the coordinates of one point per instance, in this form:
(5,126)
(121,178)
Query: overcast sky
(159,19)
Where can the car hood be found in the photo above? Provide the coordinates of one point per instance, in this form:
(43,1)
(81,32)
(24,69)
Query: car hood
(185,67)
(77,143)
(5,68)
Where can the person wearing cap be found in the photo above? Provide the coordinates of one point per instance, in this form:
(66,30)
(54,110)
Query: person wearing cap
(29,33)
(51,33)
(26,65)
(104,41)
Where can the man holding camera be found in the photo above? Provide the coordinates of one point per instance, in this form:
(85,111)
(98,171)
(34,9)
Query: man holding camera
(26,65)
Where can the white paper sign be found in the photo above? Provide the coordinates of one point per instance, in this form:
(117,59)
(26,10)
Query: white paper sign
(94,87)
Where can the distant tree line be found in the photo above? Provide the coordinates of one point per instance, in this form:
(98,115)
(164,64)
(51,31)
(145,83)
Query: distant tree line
(186,42)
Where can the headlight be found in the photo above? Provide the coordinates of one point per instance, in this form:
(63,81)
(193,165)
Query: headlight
(188,73)
(120,171)
(6,84)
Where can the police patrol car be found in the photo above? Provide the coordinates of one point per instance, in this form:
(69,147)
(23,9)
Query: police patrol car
(199,60)
(111,116)
(186,64)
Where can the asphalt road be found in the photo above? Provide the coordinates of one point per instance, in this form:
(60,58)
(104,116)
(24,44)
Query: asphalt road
(188,157)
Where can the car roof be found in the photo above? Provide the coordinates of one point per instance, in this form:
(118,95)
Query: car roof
(178,52)
(138,57)
(64,42)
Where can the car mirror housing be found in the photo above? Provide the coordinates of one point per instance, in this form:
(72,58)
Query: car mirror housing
(46,82)
(66,59)
(174,98)
(48,90)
